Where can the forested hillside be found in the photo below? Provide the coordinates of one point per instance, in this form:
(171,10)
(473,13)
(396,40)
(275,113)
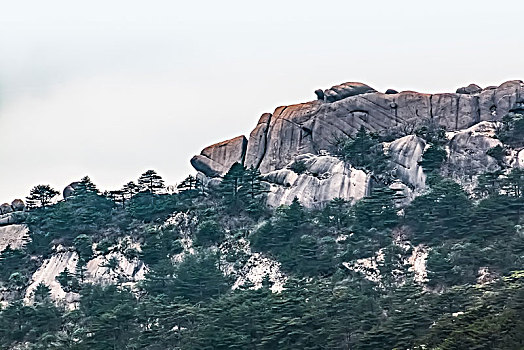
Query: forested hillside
(428,256)
(471,295)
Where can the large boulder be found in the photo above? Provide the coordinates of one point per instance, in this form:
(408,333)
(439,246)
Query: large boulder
(6,208)
(217,159)
(469,90)
(70,189)
(18,205)
(339,92)
(320,94)
(495,103)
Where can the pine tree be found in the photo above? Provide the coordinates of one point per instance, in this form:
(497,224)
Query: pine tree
(230,187)
(433,158)
(377,210)
(513,184)
(151,182)
(189,183)
(253,187)
(253,191)
(130,189)
(85,187)
(68,281)
(337,213)
(512,130)
(41,196)
(442,212)
(198,277)
(363,151)
(159,279)
(489,184)
(42,293)
(208,232)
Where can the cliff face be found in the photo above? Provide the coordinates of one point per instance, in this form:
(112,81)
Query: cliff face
(309,128)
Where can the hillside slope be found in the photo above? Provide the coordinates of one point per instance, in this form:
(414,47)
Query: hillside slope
(330,228)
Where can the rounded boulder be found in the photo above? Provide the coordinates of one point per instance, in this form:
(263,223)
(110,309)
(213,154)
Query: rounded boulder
(18,205)
(6,208)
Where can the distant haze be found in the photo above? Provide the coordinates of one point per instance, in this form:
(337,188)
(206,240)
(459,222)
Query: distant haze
(110,89)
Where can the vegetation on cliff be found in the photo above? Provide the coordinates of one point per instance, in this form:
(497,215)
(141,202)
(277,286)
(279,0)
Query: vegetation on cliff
(325,303)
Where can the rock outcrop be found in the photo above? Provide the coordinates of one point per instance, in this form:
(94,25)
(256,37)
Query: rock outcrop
(468,152)
(216,159)
(49,270)
(8,211)
(325,178)
(310,128)
(96,271)
(405,153)
(13,236)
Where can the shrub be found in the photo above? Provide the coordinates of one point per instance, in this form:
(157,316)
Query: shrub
(433,158)
(299,167)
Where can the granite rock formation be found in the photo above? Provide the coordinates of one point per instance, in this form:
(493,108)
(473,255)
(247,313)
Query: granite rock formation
(325,178)
(309,129)
(216,160)
(468,152)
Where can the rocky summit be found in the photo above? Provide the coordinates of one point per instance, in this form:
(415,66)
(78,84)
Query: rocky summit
(306,132)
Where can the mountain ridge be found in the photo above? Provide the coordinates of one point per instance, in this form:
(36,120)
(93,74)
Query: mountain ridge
(310,128)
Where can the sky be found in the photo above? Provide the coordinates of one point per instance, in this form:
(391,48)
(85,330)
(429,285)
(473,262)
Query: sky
(112,88)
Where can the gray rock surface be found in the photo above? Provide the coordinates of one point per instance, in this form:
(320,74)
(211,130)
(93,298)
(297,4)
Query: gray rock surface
(326,178)
(216,159)
(467,152)
(13,235)
(127,270)
(18,205)
(256,146)
(310,127)
(405,154)
(70,189)
(6,208)
(520,159)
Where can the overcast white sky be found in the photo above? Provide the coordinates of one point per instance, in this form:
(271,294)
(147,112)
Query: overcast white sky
(112,88)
